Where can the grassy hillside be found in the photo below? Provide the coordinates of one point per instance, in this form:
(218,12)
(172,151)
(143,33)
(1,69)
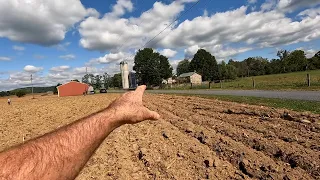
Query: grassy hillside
(36,89)
(294,81)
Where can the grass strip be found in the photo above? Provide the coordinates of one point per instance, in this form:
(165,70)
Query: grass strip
(295,105)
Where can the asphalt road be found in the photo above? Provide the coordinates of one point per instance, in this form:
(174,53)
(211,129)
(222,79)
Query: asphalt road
(295,95)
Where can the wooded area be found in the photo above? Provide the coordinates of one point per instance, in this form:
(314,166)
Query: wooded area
(204,63)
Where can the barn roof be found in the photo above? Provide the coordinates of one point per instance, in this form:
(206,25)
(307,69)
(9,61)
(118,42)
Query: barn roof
(72,82)
(187,74)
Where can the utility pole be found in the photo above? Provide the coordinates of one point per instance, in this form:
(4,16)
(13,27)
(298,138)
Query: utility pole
(32,87)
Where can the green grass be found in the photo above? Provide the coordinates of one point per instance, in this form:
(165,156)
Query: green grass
(288,81)
(295,105)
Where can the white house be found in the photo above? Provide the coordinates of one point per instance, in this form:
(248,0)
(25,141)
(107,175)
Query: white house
(190,77)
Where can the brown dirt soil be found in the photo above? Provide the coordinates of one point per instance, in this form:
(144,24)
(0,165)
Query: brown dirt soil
(196,138)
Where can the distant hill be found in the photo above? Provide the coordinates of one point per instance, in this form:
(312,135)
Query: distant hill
(36,89)
(28,90)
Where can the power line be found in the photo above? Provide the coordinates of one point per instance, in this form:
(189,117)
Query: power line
(182,14)
(171,23)
(174,21)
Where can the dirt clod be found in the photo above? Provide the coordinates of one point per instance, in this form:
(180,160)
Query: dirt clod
(165,135)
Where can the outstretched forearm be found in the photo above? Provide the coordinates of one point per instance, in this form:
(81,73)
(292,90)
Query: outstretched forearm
(60,154)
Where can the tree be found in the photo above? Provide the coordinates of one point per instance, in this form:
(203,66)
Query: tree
(274,67)
(231,72)
(151,67)
(165,68)
(117,80)
(317,55)
(106,80)
(256,66)
(21,93)
(183,67)
(283,54)
(88,79)
(4,93)
(241,67)
(222,71)
(75,80)
(314,62)
(205,64)
(296,61)
(55,90)
(97,82)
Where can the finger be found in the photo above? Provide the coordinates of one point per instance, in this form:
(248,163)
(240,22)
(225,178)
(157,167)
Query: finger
(140,90)
(152,115)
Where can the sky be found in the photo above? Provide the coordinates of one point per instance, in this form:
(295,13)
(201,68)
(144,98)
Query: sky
(56,41)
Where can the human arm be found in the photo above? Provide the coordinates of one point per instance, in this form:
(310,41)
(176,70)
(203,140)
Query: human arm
(63,153)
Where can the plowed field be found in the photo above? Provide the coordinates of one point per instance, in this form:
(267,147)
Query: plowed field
(196,138)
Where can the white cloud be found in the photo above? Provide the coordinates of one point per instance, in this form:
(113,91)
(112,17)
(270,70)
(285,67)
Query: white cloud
(310,53)
(18,48)
(2,58)
(110,58)
(288,6)
(113,34)
(38,56)
(60,68)
(22,79)
(225,34)
(121,7)
(60,74)
(168,53)
(205,13)
(174,64)
(186,1)
(313,12)
(68,57)
(92,12)
(32,69)
(252,1)
(292,5)
(62,46)
(268,5)
(256,29)
(190,51)
(42,22)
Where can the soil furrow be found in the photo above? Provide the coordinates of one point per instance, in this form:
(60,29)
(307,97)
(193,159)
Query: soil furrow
(252,163)
(264,126)
(295,155)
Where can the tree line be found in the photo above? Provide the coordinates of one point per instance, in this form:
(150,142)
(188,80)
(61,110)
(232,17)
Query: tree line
(151,68)
(206,65)
(103,81)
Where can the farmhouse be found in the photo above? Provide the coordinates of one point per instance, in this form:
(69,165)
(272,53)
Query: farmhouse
(190,77)
(72,88)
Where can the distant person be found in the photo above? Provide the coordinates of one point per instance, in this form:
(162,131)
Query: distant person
(9,101)
(62,154)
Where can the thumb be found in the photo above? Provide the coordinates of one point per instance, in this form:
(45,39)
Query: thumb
(151,115)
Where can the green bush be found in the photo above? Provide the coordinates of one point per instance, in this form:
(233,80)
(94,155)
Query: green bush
(21,93)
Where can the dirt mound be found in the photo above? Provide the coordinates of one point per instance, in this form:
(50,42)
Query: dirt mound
(195,139)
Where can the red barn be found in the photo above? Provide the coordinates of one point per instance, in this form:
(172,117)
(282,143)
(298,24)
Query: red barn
(72,88)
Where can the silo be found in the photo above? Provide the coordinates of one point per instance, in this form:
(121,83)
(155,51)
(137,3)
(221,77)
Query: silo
(124,74)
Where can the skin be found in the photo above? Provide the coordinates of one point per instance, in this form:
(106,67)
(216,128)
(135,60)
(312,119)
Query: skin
(62,154)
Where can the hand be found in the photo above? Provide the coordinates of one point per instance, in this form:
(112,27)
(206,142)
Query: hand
(128,109)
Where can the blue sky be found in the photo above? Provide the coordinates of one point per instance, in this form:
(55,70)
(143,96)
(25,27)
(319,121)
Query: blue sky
(57,40)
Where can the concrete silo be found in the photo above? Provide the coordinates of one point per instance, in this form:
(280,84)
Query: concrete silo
(124,74)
